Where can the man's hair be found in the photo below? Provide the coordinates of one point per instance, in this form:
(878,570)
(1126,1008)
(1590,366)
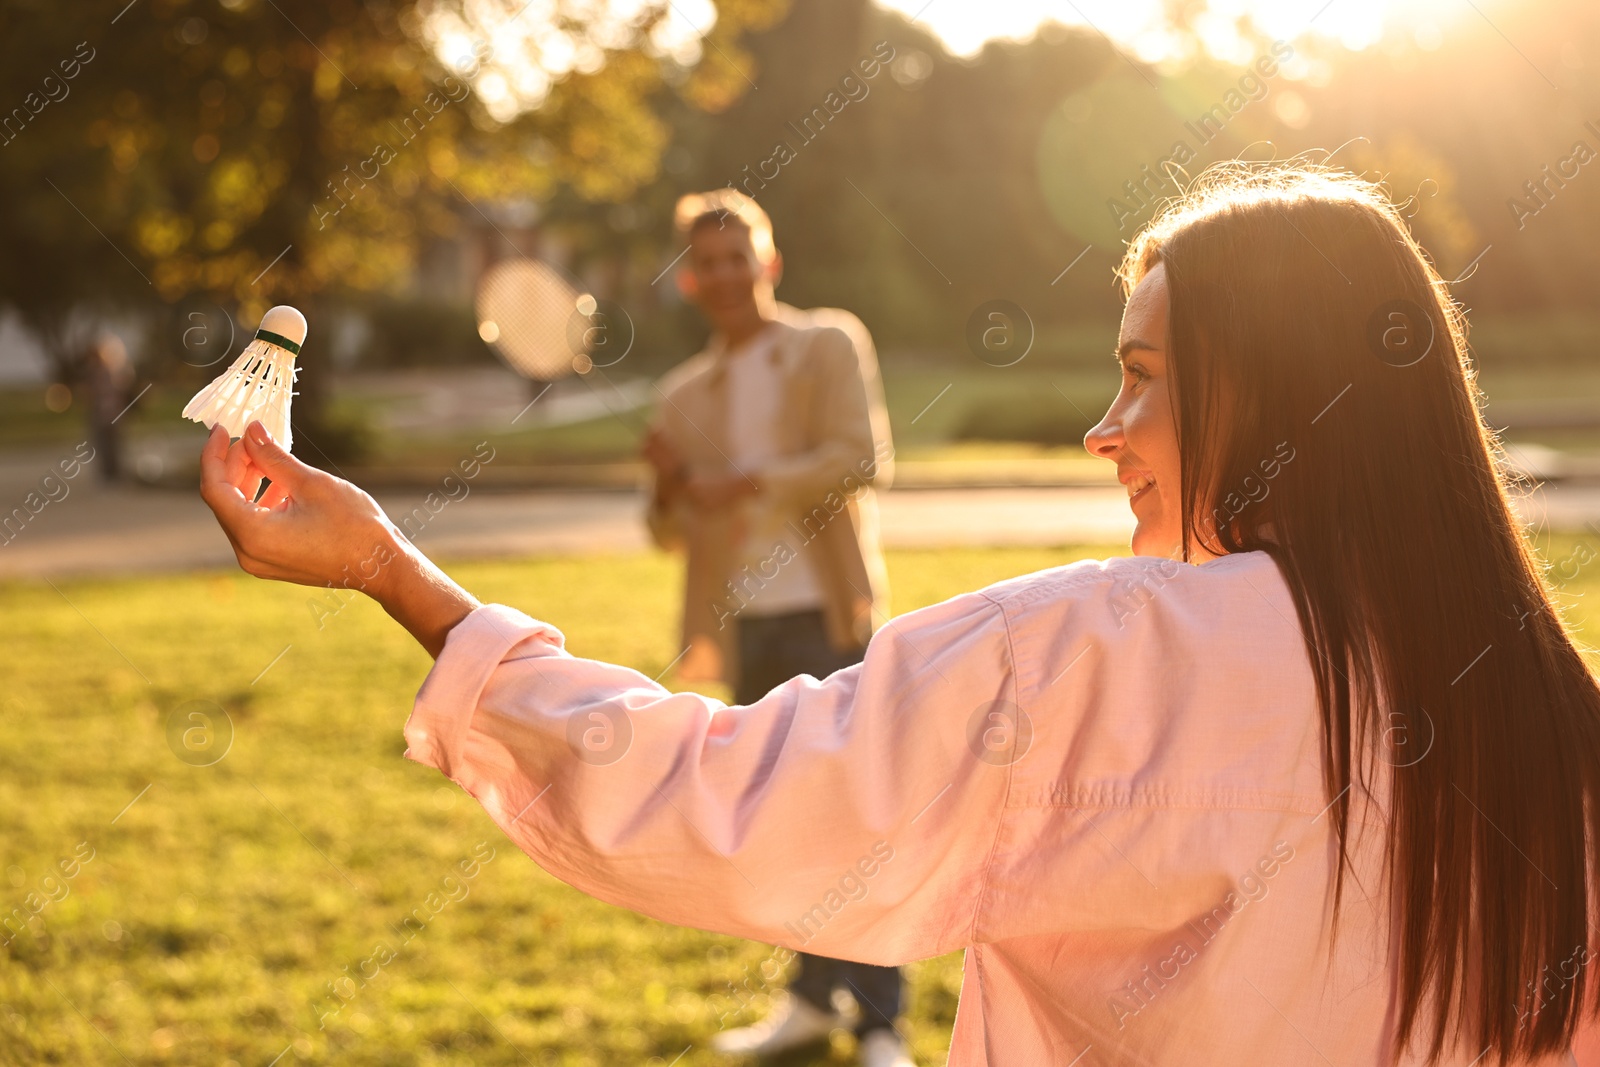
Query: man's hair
(717,208)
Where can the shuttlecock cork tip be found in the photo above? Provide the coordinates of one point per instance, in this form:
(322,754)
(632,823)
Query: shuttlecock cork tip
(285,321)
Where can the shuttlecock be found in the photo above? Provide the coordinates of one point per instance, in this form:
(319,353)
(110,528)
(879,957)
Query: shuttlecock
(257,386)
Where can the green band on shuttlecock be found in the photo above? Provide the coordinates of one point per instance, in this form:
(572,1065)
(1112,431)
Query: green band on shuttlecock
(278,339)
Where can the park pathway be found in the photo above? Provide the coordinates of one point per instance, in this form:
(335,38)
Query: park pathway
(136,530)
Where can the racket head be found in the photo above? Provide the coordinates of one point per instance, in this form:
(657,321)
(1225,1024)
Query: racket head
(525,309)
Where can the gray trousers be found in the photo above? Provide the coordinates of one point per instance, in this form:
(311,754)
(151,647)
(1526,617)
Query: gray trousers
(773,649)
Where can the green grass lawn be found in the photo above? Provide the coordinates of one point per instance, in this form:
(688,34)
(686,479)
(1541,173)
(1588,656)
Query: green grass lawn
(215,911)
(210,908)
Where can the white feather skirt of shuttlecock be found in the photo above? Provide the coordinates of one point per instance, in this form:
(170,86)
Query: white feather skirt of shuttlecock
(257,387)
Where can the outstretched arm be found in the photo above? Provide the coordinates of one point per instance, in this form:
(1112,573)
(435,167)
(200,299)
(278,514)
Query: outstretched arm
(854,816)
(312,528)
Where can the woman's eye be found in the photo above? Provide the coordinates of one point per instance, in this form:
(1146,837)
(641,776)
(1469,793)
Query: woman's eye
(1138,372)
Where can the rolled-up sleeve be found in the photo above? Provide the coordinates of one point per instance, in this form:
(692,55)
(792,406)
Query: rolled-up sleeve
(852,816)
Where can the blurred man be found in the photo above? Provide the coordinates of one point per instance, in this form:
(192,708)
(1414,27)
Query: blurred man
(765,449)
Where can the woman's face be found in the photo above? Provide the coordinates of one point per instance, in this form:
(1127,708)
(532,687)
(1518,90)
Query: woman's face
(1140,432)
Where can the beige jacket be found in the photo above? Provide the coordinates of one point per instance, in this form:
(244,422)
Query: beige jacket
(834,448)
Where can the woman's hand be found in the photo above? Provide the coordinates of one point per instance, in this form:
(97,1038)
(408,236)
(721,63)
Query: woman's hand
(311,528)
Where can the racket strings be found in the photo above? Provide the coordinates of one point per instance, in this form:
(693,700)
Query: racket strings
(531,307)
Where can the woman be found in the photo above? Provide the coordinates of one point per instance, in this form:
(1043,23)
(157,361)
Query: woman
(1319,792)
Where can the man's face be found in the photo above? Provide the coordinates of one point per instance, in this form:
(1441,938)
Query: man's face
(723,270)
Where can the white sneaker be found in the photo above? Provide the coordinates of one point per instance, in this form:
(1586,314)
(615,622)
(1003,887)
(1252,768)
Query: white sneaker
(883,1048)
(794,1022)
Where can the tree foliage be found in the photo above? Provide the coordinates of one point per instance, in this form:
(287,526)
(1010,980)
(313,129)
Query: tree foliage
(252,152)
(958,180)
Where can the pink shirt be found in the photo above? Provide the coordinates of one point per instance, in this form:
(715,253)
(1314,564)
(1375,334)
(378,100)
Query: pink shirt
(1103,781)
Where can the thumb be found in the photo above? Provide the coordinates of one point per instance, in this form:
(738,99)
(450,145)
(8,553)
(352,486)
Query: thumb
(271,459)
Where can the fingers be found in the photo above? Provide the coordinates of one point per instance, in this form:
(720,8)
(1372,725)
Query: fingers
(216,447)
(271,458)
(229,479)
(217,487)
(240,472)
(275,495)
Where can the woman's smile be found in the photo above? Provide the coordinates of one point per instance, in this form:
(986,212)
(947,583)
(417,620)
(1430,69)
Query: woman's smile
(1139,485)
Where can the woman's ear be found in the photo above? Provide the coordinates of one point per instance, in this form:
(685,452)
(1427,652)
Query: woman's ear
(688,288)
(774,269)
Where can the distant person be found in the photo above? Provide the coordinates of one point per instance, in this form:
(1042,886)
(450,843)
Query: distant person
(766,448)
(107,379)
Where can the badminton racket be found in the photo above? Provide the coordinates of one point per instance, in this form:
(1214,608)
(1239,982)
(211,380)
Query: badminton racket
(545,326)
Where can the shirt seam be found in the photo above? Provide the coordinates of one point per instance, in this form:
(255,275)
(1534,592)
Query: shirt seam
(978,964)
(1231,805)
(1059,584)
(1011,773)
(1075,796)
(1056,584)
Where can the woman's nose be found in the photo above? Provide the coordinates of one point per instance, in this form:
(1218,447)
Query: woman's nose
(1104,439)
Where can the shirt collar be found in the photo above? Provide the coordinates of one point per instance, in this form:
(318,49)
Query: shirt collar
(771,336)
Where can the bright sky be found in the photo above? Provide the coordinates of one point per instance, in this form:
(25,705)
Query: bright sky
(524,46)
(1136,25)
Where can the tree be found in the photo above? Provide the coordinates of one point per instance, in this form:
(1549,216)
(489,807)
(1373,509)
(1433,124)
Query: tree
(251,152)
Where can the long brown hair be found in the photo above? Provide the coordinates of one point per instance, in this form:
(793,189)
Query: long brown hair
(1303,312)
